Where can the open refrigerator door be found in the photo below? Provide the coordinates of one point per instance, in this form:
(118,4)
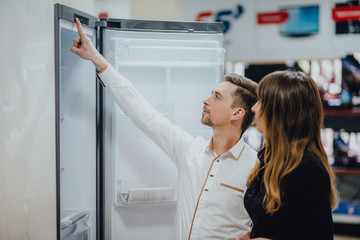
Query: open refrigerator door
(174,66)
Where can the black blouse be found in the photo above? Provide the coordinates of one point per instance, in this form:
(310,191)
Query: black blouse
(305,212)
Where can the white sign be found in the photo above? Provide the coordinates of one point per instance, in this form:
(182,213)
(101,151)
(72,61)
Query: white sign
(268,31)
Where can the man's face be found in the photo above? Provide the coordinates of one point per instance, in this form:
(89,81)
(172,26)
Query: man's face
(259,118)
(217,110)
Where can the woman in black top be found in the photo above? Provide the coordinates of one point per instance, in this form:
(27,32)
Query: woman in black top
(291,191)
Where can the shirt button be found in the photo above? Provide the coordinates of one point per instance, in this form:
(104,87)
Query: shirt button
(206,189)
(211,175)
(218,160)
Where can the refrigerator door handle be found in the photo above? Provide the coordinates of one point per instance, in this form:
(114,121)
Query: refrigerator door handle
(82,19)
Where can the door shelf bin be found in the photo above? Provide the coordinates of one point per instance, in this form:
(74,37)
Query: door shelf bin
(143,192)
(76,226)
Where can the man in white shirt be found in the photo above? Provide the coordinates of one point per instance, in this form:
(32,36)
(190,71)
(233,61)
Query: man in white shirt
(212,173)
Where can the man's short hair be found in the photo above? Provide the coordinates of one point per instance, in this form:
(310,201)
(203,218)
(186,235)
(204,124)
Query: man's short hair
(244,96)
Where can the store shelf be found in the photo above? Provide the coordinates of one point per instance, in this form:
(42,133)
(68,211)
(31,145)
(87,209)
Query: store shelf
(348,213)
(345,218)
(342,112)
(348,120)
(346,171)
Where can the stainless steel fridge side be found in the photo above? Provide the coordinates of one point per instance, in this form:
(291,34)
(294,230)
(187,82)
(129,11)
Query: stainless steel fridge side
(57,118)
(104,183)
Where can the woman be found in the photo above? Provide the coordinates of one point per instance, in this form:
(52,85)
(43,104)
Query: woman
(291,191)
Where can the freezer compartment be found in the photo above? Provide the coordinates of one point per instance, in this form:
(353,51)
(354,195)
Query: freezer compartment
(141,192)
(76,226)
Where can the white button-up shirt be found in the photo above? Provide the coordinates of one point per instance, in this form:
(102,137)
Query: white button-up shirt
(211,187)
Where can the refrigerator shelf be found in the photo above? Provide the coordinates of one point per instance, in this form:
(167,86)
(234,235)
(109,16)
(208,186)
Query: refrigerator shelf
(144,204)
(140,192)
(167,54)
(166,64)
(155,40)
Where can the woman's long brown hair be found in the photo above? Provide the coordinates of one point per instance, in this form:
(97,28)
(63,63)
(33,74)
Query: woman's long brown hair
(293,114)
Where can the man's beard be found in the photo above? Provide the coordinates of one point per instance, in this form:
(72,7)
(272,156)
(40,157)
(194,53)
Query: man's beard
(207,121)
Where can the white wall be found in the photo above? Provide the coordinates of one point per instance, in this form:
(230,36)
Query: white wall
(156,9)
(27,123)
(82,5)
(27,119)
(114,8)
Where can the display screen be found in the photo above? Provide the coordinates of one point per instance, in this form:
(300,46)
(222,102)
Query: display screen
(302,21)
(347,26)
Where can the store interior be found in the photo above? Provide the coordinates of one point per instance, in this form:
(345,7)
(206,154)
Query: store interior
(328,49)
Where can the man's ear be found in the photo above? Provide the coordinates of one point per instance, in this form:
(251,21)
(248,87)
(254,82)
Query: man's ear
(238,114)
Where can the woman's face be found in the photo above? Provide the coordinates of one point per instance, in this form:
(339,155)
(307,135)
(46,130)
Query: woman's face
(259,118)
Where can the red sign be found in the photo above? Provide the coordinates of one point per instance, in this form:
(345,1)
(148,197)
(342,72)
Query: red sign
(203,15)
(346,13)
(272,17)
(103,15)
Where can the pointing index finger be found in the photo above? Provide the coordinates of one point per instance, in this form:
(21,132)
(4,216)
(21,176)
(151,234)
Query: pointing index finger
(80,30)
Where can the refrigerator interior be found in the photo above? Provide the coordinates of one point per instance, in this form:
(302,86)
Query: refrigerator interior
(77,106)
(174,72)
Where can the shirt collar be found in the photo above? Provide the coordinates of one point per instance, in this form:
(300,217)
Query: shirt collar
(207,149)
(238,148)
(235,151)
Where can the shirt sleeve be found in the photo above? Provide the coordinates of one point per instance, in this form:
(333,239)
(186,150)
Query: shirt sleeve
(173,140)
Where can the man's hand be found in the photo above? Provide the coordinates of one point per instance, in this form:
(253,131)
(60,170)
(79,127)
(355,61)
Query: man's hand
(85,49)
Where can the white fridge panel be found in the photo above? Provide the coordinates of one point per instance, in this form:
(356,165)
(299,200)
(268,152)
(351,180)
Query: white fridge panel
(150,81)
(189,86)
(138,159)
(139,162)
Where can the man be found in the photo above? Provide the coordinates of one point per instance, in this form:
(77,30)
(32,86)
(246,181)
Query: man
(212,173)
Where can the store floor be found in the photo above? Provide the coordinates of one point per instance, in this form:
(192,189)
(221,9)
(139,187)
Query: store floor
(340,237)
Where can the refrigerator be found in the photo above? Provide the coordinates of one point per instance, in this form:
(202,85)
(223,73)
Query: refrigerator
(113,182)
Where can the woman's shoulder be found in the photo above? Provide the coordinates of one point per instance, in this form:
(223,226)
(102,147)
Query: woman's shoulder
(311,162)
(309,180)
(310,170)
